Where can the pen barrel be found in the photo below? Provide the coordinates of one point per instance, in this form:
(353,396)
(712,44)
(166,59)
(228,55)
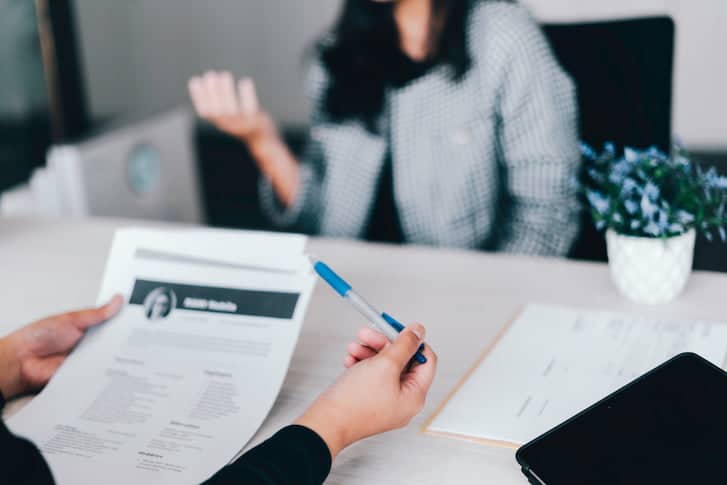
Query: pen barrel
(372,315)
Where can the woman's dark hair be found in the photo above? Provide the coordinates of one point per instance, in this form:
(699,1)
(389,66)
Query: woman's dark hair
(365,57)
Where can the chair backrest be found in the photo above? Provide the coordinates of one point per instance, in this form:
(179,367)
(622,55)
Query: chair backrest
(623,71)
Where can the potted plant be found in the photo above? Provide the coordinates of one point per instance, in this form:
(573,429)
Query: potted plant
(651,206)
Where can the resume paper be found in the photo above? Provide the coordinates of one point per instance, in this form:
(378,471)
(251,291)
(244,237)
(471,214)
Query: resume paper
(554,362)
(171,389)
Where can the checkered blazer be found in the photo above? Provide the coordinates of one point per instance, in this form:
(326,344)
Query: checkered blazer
(483,163)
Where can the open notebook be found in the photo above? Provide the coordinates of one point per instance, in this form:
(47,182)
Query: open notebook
(551,362)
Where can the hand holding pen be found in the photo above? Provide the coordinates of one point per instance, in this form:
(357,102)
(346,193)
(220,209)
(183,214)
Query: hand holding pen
(383,322)
(381,390)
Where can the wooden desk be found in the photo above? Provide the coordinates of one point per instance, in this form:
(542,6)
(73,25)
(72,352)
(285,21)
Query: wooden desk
(464,298)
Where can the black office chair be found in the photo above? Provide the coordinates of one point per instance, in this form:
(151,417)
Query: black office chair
(623,71)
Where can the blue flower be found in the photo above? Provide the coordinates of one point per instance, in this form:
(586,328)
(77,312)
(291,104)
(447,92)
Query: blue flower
(648,208)
(652,228)
(631,155)
(685,217)
(655,156)
(598,201)
(619,171)
(720,182)
(588,152)
(683,162)
(651,191)
(631,206)
(629,185)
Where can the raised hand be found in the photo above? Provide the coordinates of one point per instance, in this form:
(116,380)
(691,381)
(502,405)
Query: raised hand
(232,107)
(235,109)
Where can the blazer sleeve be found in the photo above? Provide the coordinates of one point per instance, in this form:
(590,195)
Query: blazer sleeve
(294,455)
(304,214)
(22,463)
(538,143)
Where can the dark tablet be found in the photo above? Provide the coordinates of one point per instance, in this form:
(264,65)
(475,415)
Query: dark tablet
(667,427)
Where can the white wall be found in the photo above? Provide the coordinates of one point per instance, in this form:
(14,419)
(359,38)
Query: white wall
(139,53)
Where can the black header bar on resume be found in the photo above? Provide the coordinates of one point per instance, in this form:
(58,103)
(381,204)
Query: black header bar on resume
(155,296)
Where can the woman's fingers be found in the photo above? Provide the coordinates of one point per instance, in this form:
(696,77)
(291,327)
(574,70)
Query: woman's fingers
(214,95)
(83,319)
(370,344)
(249,104)
(360,352)
(227,94)
(233,107)
(38,371)
(200,88)
(214,98)
(420,376)
(372,339)
(401,351)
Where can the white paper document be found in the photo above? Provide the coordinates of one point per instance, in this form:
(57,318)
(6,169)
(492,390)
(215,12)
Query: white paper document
(554,362)
(170,390)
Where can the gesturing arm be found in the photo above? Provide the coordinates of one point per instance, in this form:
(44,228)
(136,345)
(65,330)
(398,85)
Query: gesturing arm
(236,111)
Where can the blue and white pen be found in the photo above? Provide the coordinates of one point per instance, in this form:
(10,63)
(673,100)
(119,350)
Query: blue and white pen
(382,322)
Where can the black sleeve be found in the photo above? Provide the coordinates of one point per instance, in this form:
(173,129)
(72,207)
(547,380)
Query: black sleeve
(22,462)
(295,454)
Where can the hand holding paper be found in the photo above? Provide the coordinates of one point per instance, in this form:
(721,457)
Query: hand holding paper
(30,356)
(161,393)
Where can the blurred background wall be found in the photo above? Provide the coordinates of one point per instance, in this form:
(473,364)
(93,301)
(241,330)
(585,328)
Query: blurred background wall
(138,54)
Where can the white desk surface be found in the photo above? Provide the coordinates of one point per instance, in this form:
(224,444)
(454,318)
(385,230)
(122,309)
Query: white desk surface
(464,298)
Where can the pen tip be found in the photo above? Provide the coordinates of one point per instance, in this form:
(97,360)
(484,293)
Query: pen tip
(312,259)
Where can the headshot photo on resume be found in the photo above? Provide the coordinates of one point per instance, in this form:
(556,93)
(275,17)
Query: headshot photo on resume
(159,303)
(447,123)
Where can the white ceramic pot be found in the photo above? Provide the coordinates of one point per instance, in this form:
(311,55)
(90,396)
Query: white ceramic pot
(649,270)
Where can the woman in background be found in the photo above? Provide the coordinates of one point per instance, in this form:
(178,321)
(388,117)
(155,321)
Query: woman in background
(441,122)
